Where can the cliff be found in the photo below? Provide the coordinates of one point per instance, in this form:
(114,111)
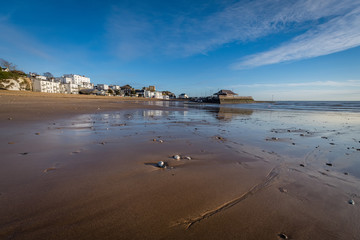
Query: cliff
(15,80)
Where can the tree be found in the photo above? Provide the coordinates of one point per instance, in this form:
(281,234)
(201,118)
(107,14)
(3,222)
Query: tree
(117,92)
(110,91)
(7,64)
(48,75)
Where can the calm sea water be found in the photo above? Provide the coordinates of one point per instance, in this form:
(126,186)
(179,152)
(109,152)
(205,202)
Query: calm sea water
(331,106)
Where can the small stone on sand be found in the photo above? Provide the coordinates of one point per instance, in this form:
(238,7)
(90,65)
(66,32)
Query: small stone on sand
(302,165)
(161,141)
(329,164)
(161,164)
(49,169)
(177,157)
(352,202)
(283,190)
(37,133)
(188,158)
(283,236)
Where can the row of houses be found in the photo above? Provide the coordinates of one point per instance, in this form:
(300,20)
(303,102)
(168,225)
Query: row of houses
(75,84)
(68,83)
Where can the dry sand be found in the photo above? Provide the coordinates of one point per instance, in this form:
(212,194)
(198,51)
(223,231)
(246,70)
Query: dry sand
(85,168)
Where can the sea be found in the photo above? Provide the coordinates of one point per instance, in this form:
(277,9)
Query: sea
(328,106)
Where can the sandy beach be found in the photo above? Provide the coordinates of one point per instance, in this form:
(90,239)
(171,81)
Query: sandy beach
(84,167)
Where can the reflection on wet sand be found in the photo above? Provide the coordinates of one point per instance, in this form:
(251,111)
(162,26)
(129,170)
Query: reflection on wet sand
(227,114)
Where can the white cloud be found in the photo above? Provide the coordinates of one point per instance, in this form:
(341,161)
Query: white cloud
(191,32)
(336,35)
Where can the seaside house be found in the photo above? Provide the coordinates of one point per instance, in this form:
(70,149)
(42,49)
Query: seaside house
(183,96)
(150,94)
(114,87)
(5,69)
(227,93)
(103,87)
(42,85)
(69,88)
(81,81)
(227,96)
(72,83)
(126,90)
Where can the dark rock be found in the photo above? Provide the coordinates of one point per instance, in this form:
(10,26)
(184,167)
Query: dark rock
(283,236)
(329,164)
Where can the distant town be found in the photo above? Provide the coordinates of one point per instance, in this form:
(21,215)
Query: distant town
(12,79)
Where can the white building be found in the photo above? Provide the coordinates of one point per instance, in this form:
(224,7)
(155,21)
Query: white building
(41,85)
(158,95)
(40,77)
(150,94)
(69,88)
(183,96)
(114,87)
(81,81)
(104,87)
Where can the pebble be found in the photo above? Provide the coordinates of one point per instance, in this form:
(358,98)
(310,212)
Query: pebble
(103,143)
(177,157)
(161,141)
(283,190)
(188,158)
(329,164)
(161,164)
(302,135)
(37,133)
(274,138)
(283,236)
(293,143)
(302,165)
(9,118)
(346,173)
(351,202)
(332,143)
(24,153)
(154,140)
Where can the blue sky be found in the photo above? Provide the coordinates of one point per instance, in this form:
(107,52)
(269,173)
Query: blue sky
(280,49)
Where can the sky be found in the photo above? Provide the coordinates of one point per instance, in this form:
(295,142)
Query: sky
(268,49)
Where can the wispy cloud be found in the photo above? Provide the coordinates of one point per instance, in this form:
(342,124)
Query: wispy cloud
(336,35)
(191,32)
(348,83)
(18,39)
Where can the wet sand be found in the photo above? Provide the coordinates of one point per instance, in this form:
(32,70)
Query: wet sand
(85,168)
